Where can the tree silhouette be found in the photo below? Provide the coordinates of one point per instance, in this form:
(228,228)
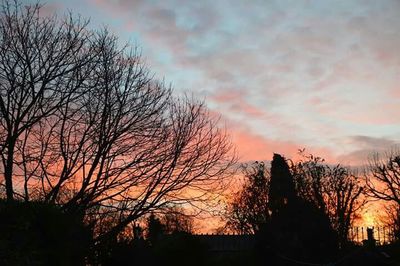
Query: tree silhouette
(168,221)
(282,188)
(383,177)
(84,125)
(391,220)
(33,233)
(298,228)
(335,190)
(44,63)
(155,229)
(175,219)
(344,197)
(248,211)
(383,183)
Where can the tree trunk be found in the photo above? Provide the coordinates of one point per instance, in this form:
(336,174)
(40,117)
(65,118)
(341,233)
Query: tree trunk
(8,170)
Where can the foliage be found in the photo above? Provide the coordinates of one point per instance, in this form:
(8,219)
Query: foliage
(383,183)
(166,242)
(310,174)
(130,252)
(282,188)
(298,228)
(175,220)
(248,211)
(180,248)
(328,193)
(171,220)
(34,233)
(335,190)
(155,229)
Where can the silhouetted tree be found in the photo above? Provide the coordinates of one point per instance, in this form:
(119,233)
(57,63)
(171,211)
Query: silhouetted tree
(344,199)
(298,228)
(383,183)
(282,188)
(171,241)
(175,219)
(44,63)
(155,229)
(168,221)
(383,177)
(33,233)
(391,219)
(310,175)
(84,125)
(248,211)
(334,190)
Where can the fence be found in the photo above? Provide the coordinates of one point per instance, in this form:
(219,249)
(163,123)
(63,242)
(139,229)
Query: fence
(382,234)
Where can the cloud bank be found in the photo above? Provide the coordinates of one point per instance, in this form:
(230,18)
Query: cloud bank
(323,75)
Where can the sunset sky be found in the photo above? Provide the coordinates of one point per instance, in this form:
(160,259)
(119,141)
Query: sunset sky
(324,75)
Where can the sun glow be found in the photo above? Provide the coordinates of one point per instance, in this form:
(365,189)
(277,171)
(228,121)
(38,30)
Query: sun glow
(368,220)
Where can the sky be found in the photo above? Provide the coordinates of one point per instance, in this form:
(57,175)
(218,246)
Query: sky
(283,75)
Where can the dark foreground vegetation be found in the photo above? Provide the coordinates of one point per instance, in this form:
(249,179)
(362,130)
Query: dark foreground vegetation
(295,232)
(33,233)
(99,161)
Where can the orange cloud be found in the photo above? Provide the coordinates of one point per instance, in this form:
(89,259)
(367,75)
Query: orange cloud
(251,147)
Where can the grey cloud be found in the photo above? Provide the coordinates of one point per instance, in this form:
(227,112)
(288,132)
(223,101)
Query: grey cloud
(372,142)
(365,147)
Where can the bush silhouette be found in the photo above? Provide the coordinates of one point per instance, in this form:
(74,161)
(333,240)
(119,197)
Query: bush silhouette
(303,232)
(41,234)
(130,252)
(180,248)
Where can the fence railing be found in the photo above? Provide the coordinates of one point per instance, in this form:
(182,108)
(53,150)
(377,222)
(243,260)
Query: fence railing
(382,234)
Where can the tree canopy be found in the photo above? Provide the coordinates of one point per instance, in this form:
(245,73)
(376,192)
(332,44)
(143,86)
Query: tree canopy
(86,126)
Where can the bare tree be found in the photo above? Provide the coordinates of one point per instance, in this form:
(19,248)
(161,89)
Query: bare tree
(336,190)
(248,211)
(383,183)
(171,220)
(310,174)
(391,220)
(344,199)
(383,177)
(43,64)
(176,219)
(113,141)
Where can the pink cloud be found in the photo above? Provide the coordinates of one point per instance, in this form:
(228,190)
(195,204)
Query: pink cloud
(395,91)
(304,70)
(251,147)
(227,95)
(50,9)
(235,101)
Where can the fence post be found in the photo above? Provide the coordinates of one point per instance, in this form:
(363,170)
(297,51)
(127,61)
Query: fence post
(362,233)
(379,235)
(384,235)
(358,240)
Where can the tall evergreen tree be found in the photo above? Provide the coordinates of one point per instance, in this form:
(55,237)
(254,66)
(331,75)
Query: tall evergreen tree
(155,229)
(298,228)
(282,189)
